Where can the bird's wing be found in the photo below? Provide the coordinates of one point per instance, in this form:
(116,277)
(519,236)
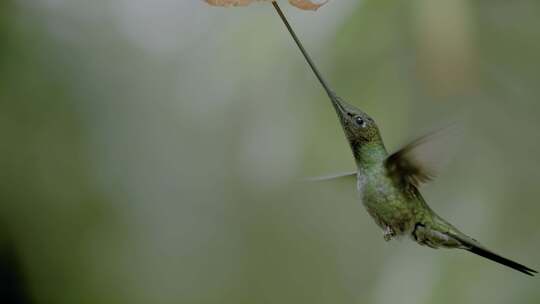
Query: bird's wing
(343,175)
(420,161)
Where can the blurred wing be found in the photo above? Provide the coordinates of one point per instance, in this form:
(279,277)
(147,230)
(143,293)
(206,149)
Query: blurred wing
(420,161)
(344,175)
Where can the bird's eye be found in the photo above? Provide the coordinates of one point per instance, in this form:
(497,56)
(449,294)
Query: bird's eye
(360,121)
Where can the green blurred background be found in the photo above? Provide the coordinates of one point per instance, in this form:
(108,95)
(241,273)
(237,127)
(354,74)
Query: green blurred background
(151,150)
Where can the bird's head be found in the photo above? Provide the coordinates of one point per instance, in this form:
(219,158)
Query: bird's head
(360,129)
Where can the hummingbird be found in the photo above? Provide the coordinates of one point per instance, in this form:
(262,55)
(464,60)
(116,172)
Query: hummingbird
(388,183)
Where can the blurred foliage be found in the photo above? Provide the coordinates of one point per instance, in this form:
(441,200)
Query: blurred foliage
(151,150)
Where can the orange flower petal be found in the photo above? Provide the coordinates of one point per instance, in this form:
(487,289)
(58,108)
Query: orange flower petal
(228,2)
(308,4)
(301,4)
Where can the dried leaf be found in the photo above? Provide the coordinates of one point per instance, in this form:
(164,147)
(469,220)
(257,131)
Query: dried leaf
(301,4)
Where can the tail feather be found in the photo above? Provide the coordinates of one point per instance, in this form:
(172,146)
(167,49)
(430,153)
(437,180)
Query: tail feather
(475,248)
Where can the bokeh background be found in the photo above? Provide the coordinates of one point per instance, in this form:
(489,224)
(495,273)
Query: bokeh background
(151,151)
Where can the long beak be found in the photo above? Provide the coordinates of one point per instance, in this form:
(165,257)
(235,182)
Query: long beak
(336,101)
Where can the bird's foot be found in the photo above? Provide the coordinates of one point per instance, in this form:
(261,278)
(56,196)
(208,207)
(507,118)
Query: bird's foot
(388,233)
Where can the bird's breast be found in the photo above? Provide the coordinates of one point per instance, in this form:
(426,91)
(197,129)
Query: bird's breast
(386,204)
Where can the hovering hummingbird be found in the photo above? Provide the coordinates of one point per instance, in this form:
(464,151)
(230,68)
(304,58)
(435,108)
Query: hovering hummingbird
(388,183)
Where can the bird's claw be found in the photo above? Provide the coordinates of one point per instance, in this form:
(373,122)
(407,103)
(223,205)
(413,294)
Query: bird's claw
(388,233)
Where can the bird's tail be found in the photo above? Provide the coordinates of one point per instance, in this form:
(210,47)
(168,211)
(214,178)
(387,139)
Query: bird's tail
(473,246)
